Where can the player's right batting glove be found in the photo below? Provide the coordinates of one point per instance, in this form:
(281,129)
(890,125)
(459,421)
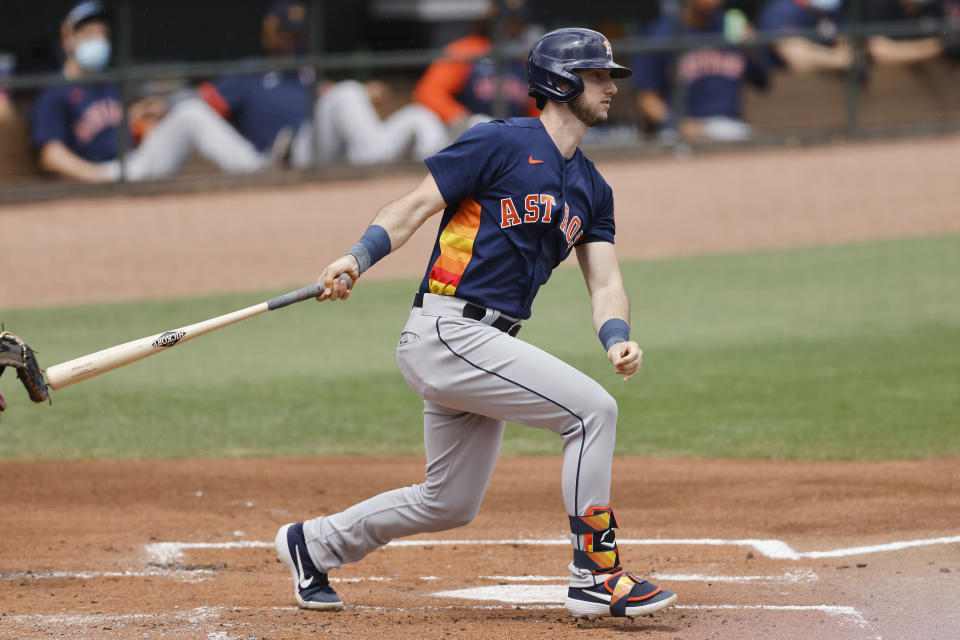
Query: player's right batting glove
(15,353)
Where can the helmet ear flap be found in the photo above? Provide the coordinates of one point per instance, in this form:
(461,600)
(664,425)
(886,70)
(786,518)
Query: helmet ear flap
(546,83)
(575,82)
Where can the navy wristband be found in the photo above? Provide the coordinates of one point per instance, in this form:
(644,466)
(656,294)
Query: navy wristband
(613,331)
(372,246)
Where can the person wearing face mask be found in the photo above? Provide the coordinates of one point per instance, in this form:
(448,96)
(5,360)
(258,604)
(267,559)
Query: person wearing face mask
(884,50)
(75,127)
(346,124)
(825,52)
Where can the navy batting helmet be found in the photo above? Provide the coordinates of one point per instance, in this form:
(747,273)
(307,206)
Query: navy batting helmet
(559,53)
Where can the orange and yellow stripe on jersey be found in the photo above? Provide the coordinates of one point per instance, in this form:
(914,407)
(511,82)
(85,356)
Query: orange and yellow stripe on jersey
(456,248)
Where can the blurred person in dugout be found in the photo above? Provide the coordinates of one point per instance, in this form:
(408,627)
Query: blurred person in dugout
(462,88)
(7,111)
(893,50)
(712,77)
(345,124)
(75,127)
(800,54)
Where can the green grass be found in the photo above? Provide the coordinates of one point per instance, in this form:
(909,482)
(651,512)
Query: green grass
(849,352)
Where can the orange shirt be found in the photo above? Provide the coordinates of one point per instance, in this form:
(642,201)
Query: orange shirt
(444,79)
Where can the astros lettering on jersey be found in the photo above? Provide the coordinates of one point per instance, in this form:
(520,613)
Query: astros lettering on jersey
(498,248)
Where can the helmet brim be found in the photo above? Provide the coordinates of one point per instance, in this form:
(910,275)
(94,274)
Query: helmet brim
(616,70)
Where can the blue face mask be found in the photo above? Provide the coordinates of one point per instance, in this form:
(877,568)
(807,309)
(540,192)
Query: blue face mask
(93,54)
(826,5)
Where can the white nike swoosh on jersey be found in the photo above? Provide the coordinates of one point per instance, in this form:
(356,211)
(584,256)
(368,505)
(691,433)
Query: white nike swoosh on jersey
(304,582)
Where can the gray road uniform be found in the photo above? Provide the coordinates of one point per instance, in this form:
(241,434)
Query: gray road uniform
(516,208)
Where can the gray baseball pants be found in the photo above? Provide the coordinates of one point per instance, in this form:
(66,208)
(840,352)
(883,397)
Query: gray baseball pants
(348,126)
(474,378)
(191,125)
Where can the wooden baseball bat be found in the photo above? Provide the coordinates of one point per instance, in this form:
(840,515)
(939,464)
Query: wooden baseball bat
(91,365)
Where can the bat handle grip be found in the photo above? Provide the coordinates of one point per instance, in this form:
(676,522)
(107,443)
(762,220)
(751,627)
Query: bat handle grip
(305,293)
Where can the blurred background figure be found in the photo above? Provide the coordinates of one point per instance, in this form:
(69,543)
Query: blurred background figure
(825,52)
(891,50)
(6,109)
(951,40)
(7,63)
(75,127)
(345,123)
(462,88)
(712,78)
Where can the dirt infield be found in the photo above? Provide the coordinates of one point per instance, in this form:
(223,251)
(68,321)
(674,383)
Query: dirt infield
(183,549)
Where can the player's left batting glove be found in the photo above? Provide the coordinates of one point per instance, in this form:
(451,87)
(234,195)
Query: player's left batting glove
(15,353)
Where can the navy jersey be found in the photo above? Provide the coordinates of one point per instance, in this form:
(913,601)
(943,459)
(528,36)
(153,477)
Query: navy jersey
(84,118)
(712,77)
(260,105)
(515,209)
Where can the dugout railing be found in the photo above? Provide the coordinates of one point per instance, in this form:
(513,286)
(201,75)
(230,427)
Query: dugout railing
(620,137)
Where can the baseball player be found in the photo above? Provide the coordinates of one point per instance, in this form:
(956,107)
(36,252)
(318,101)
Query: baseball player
(517,197)
(345,124)
(75,127)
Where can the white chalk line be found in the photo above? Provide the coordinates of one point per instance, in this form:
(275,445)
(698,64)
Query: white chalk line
(201,615)
(166,553)
(846,614)
(201,575)
(184,575)
(528,594)
(192,616)
(877,548)
(790,577)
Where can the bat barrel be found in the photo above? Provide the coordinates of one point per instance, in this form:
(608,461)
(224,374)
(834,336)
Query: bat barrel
(94,364)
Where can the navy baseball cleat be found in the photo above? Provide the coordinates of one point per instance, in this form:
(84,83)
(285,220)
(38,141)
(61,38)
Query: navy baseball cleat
(622,595)
(310,587)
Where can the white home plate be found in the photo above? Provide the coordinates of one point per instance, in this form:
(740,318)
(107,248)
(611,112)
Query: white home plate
(511,593)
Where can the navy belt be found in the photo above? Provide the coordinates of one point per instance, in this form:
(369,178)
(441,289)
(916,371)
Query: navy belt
(476,312)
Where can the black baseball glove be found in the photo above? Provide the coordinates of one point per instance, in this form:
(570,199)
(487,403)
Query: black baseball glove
(14,352)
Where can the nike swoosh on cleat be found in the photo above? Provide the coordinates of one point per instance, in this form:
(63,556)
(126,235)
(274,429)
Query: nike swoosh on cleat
(304,582)
(532,161)
(603,597)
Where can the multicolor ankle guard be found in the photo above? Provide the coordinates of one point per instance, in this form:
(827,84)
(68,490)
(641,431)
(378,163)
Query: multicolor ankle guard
(600,553)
